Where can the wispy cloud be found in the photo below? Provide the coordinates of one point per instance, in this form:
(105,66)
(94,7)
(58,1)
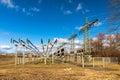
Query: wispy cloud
(78,43)
(62,40)
(68,12)
(82,9)
(9,4)
(78,27)
(65,40)
(35,9)
(12,5)
(94,38)
(25,11)
(79,7)
(98,24)
(30,11)
(5,33)
(6,47)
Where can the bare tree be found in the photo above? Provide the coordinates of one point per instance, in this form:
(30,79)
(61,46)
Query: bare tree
(106,45)
(114,45)
(97,44)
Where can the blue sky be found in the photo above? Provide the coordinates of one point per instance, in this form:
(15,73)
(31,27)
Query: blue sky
(36,19)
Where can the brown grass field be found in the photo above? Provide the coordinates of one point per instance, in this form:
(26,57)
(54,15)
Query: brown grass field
(57,71)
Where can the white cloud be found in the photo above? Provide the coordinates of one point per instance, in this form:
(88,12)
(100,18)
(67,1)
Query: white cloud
(78,28)
(35,9)
(23,10)
(65,40)
(95,39)
(5,47)
(62,40)
(26,12)
(68,12)
(82,9)
(9,3)
(98,24)
(106,41)
(79,7)
(76,47)
(5,33)
(78,43)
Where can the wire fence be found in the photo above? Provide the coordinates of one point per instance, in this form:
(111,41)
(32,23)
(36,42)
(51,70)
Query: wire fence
(83,61)
(92,61)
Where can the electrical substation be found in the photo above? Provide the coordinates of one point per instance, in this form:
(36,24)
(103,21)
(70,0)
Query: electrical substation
(54,52)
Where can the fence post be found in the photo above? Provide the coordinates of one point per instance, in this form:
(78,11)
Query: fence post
(52,58)
(16,56)
(103,61)
(82,61)
(45,59)
(93,63)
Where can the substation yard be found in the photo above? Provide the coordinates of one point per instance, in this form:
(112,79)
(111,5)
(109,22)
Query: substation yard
(57,71)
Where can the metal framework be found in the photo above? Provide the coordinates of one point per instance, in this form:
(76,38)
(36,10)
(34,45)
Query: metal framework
(72,37)
(85,30)
(46,52)
(24,45)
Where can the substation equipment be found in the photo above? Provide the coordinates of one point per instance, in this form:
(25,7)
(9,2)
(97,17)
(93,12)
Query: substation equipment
(50,53)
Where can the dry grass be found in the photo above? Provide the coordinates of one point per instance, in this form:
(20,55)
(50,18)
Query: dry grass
(62,71)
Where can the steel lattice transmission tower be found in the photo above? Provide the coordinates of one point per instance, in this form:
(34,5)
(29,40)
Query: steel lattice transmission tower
(85,30)
(73,36)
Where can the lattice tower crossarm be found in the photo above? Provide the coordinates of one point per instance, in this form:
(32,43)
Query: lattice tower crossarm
(85,30)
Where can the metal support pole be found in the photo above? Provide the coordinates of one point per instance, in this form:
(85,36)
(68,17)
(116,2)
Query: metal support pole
(45,56)
(72,45)
(23,55)
(16,55)
(52,58)
(85,42)
(45,59)
(103,62)
(82,61)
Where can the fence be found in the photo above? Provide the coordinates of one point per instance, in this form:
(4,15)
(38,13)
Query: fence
(92,61)
(87,61)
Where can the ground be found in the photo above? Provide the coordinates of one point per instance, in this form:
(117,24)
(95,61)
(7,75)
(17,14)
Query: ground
(57,71)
